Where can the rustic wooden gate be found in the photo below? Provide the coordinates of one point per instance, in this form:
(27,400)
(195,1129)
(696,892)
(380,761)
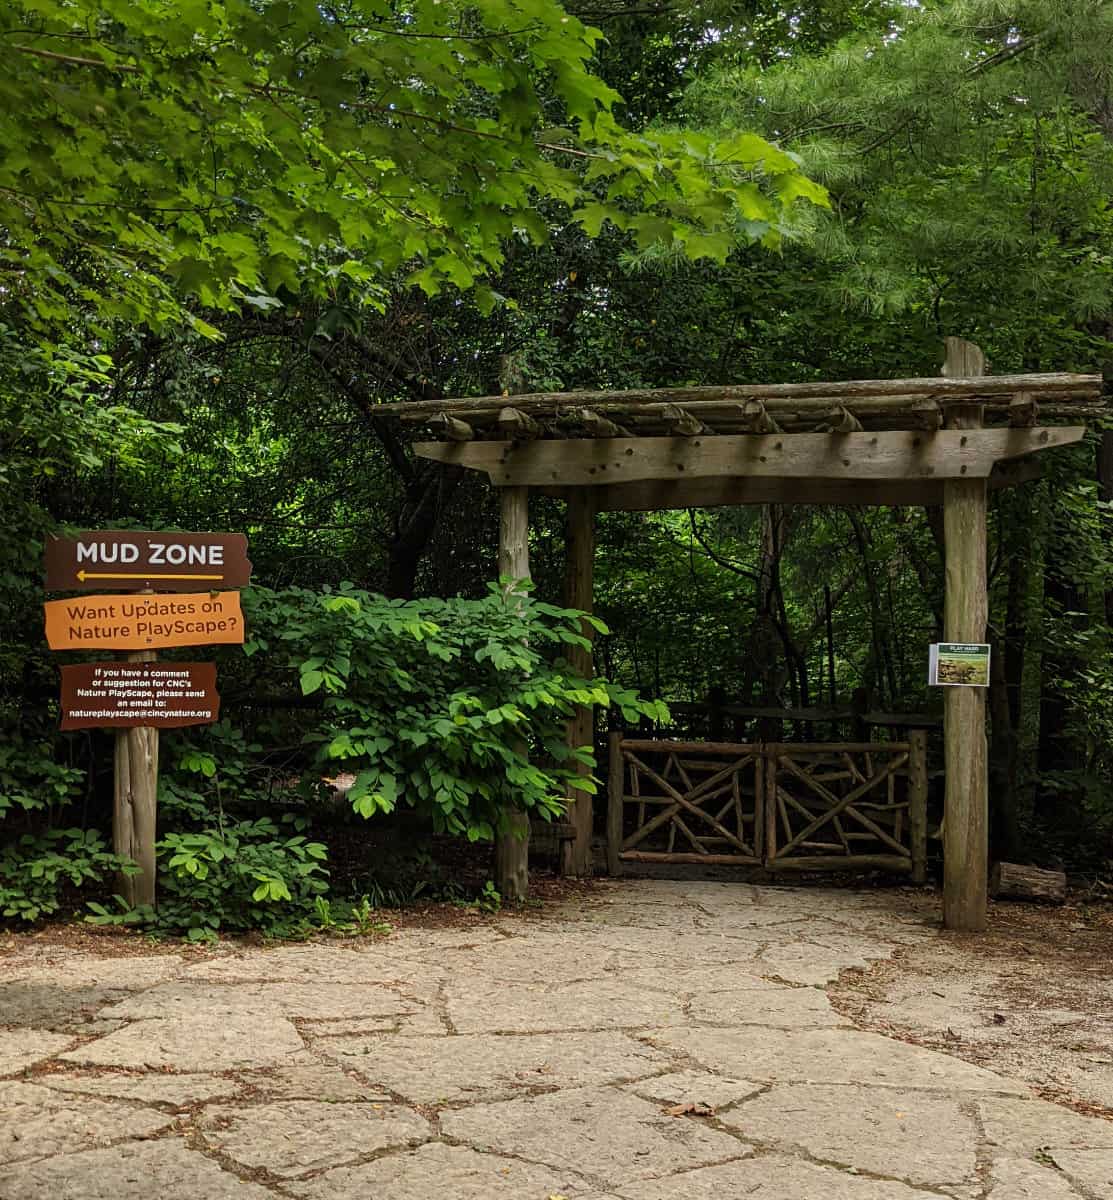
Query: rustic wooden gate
(780,805)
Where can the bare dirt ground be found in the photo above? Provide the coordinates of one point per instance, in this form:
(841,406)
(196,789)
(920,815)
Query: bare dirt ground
(1032,999)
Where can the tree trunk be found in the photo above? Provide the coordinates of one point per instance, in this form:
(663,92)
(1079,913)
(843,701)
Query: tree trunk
(424,499)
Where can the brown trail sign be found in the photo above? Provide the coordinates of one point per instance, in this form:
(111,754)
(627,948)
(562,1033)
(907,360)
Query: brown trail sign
(139,696)
(144,622)
(158,695)
(132,561)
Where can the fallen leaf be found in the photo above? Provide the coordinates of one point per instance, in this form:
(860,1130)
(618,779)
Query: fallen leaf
(689,1109)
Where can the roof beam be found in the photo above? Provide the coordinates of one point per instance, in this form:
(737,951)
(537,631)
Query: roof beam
(718,493)
(776,396)
(947,454)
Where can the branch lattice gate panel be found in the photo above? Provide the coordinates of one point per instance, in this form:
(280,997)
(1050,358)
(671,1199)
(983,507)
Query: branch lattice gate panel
(783,805)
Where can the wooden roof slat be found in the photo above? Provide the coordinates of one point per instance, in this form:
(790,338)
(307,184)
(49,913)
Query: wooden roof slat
(776,396)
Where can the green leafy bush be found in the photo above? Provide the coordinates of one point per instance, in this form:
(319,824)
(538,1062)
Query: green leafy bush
(39,864)
(456,708)
(243,875)
(36,869)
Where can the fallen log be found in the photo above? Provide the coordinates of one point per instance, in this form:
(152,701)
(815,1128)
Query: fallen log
(1010,881)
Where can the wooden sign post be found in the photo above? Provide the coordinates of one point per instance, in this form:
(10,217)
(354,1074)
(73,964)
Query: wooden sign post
(135,696)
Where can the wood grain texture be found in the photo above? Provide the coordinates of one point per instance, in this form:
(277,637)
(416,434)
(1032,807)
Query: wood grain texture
(615,778)
(773,395)
(917,802)
(578,593)
(135,803)
(966,605)
(512,847)
(1016,882)
(652,496)
(903,455)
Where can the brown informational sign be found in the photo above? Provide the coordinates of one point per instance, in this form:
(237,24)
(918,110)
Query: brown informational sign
(144,622)
(161,695)
(121,560)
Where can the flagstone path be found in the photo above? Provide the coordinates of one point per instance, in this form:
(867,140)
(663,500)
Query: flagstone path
(650,1041)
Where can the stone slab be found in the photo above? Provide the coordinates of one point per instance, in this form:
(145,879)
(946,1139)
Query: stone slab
(919,1137)
(22,1048)
(375,962)
(829,1056)
(197,1042)
(607,1134)
(488,1066)
(37,1122)
(693,980)
(178,1091)
(1026,1127)
(786,1008)
(309,1000)
(292,1137)
(476,1006)
(817,965)
(1092,1169)
(311,1081)
(127,973)
(693,1087)
(165,1169)
(439,1171)
(770,1177)
(1022,1179)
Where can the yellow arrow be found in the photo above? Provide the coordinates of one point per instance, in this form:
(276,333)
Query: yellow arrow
(83,575)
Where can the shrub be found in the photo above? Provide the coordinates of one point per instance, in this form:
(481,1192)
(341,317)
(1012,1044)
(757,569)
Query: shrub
(456,708)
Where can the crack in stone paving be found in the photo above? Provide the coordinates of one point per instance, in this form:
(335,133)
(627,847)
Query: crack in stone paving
(584,1038)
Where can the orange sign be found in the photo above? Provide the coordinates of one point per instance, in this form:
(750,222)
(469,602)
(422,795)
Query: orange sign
(144,622)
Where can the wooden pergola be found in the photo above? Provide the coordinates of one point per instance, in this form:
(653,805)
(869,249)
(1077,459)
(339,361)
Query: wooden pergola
(936,441)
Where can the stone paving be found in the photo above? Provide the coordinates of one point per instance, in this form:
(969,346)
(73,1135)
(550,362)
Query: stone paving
(651,1041)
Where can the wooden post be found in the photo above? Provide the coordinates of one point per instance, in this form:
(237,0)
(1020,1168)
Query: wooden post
(512,847)
(135,801)
(578,593)
(965,819)
(616,785)
(917,803)
(767,813)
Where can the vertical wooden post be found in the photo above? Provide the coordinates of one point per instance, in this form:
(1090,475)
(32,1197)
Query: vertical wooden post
(966,612)
(917,803)
(512,847)
(135,802)
(768,811)
(578,593)
(616,786)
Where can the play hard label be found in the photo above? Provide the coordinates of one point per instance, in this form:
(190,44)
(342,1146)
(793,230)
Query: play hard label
(144,622)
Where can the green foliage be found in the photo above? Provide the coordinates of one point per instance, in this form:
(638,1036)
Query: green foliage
(241,875)
(955,137)
(37,871)
(238,154)
(244,875)
(455,708)
(31,780)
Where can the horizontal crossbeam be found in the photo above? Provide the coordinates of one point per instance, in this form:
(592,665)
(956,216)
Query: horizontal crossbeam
(837,457)
(650,495)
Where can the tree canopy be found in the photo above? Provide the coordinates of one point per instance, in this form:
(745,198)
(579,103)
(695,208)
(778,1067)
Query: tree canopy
(248,153)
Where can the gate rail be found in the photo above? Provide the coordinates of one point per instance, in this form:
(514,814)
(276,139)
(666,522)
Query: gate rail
(779,805)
